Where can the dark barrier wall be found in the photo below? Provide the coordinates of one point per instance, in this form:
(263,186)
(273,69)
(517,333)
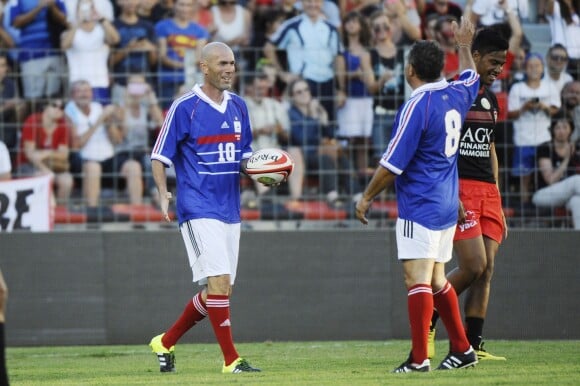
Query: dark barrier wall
(125,287)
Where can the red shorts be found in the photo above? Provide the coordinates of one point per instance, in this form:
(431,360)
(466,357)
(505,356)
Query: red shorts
(483,211)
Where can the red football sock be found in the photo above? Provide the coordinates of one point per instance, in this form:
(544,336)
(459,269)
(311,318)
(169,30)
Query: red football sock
(448,307)
(218,309)
(193,313)
(420,305)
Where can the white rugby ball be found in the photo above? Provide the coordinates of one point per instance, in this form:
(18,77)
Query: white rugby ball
(269,166)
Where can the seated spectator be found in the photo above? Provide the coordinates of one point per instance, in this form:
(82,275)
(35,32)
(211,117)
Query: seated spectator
(95,131)
(446,38)
(44,148)
(564,19)
(322,154)
(203,16)
(531,105)
(271,127)
(136,52)
(5,163)
(556,60)
(40,62)
(140,116)
(330,11)
(355,76)
(405,21)
(571,105)
(87,45)
(559,166)
(174,37)
(12,108)
(439,8)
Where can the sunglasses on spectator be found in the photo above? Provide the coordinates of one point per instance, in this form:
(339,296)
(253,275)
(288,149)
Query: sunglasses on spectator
(56,104)
(381,27)
(301,91)
(559,58)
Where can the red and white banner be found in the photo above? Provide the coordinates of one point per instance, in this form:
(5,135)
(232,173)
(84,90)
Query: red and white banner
(25,204)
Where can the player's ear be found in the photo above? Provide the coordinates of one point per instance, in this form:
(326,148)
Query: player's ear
(476,56)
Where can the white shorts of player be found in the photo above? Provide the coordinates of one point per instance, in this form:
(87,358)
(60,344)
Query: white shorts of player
(355,118)
(414,241)
(212,248)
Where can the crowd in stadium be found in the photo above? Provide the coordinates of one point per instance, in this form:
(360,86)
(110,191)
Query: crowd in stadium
(85,85)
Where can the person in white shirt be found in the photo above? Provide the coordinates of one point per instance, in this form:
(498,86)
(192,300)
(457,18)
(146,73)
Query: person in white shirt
(555,73)
(531,105)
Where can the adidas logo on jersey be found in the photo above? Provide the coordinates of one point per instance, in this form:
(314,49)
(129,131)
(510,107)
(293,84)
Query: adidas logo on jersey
(225,125)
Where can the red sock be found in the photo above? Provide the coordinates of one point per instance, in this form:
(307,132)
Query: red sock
(218,309)
(420,305)
(448,307)
(193,313)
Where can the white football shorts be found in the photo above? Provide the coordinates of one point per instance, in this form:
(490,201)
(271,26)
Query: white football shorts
(414,241)
(212,248)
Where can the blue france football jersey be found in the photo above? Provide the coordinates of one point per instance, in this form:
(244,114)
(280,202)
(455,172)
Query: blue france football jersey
(423,150)
(205,142)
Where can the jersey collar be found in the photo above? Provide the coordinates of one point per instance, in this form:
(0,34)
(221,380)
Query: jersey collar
(219,107)
(438,85)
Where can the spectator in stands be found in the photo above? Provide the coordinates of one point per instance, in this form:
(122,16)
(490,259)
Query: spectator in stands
(233,23)
(95,131)
(203,16)
(102,7)
(87,45)
(40,64)
(571,106)
(139,116)
(388,66)
(330,11)
(405,21)
(136,52)
(556,60)
(366,7)
(5,163)
(490,12)
(271,129)
(313,46)
(154,10)
(559,166)
(322,154)
(531,105)
(175,37)
(446,38)
(12,108)
(439,8)
(44,148)
(355,76)
(564,19)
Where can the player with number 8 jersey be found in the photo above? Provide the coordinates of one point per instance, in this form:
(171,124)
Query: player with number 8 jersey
(421,160)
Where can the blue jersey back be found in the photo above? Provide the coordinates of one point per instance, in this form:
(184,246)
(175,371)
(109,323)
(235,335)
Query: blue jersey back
(423,150)
(206,142)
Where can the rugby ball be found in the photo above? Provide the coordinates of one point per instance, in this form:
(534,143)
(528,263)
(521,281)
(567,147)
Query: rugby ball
(269,166)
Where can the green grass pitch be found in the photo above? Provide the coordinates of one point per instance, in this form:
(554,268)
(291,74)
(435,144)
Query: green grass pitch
(292,363)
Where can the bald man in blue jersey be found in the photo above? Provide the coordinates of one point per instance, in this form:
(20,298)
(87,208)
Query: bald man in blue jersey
(421,160)
(206,136)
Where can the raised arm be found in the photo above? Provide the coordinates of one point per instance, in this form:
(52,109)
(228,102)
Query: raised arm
(464,36)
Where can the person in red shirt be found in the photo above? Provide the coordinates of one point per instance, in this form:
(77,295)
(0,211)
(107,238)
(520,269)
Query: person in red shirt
(44,148)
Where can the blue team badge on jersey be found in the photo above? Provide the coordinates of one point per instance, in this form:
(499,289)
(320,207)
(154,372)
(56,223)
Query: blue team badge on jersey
(237,127)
